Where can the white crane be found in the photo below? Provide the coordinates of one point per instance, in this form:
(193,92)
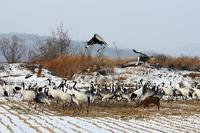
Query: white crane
(168,91)
(81,97)
(28,95)
(9,88)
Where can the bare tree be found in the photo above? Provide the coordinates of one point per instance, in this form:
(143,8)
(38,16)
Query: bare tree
(58,44)
(63,41)
(32,55)
(12,49)
(117,52)
(47,48)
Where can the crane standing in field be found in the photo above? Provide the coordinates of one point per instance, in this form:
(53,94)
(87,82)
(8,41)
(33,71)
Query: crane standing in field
(96,39)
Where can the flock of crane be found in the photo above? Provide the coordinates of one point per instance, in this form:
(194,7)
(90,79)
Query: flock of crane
(145,93)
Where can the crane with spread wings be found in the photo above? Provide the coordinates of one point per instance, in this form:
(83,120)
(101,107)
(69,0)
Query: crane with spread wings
(96,39)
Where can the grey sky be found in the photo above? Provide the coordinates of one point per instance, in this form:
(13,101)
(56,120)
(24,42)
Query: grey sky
(153,25)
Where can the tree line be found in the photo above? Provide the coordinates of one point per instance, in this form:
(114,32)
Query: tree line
(57,44)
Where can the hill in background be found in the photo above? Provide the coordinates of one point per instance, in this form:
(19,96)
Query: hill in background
(30,41)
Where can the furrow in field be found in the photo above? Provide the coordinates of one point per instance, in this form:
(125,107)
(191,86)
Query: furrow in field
(183,123)
(109,125)
(62,124)
(142,124)
(167,124)
(157,125)
(4,127)
(165,127)
(70,120)
(180,125)
(102,125)
(96,126)
(116,124)
(15,120)
(9,124)
(57,123)
(187,120)
(121,122)
(31,126)
(195,119)
(132,126)
(44,124)
(49,122)
(11,119)
(84,123)
(137,128)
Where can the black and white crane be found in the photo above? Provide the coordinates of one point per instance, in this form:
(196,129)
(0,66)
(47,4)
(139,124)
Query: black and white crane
(96,39)
(141,57)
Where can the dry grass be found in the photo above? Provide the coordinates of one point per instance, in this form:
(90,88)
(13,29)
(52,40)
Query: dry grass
(39,71)
(120,78)
(192,75)
(67,66)
(126,111)
(182,63)
(9,128)
(121,109)
(30,66)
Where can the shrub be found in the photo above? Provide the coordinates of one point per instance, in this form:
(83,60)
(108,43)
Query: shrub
(181,63)
(67,66)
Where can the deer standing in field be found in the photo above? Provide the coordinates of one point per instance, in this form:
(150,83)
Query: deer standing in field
(150,100)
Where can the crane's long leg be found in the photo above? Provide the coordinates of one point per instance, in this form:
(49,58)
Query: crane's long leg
(88,105)
(101,49)
(138,61)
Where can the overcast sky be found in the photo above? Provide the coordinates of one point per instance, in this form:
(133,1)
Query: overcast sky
(148,25)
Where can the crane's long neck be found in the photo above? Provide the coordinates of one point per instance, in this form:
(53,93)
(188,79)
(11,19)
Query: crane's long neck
(170,83)
(23,87)
(66,87)
(74,84)
(195,84)
(4,84)
(49,82)
(141,82)
(92,87)
(65,82)
(163,84)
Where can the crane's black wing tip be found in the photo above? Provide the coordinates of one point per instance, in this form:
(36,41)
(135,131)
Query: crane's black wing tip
(134,50)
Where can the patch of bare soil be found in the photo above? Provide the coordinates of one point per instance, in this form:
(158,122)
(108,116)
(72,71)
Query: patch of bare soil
(126,111)
(121,109)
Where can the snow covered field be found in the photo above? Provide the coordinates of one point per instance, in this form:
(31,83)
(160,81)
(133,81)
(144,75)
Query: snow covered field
(16,73)
(15,118)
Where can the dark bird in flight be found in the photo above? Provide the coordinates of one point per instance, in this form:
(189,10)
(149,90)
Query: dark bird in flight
(142,57)
(96,39)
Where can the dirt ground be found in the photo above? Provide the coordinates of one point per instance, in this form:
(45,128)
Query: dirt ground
(115,110)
